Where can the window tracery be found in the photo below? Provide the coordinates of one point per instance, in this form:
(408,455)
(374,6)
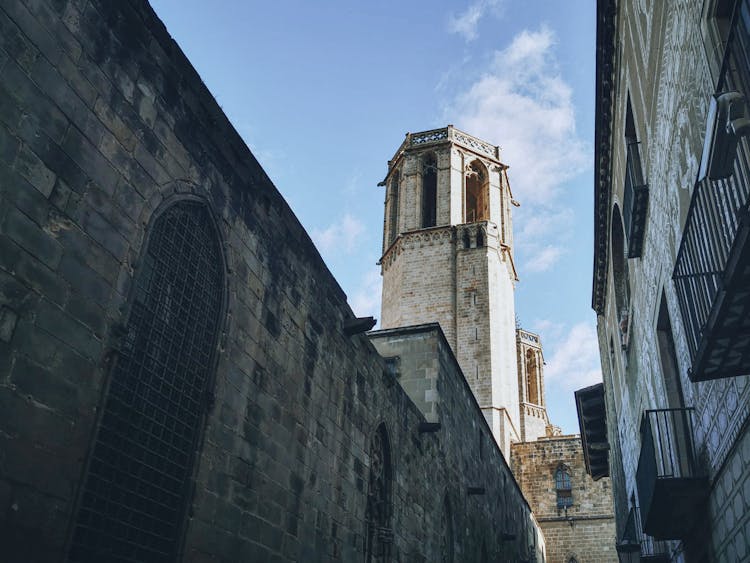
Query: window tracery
(137,489)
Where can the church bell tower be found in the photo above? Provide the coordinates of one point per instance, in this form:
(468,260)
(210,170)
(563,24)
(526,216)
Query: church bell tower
(448,258)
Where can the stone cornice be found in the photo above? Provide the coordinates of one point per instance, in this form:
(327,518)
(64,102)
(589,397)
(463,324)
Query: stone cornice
(606,12)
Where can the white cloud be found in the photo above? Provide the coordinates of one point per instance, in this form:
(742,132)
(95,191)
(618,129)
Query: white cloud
(547,328)
(353,183)
(573,362)
(532,226)
(544,258)
(340,237)
(366,299)
(467,22)
(522,102)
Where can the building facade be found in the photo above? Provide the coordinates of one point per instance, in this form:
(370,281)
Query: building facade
(181,378)
(671,275)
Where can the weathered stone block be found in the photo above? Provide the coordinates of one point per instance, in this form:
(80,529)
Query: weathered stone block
(30,236)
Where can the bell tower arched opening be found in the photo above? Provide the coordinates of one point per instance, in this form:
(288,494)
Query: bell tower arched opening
(476,202)
(429,190)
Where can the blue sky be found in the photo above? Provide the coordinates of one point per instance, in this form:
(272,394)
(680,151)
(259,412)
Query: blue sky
(323,93)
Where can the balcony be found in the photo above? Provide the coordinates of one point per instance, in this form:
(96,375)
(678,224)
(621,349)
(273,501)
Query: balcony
(672,489)
(634,541)
(635,202)
(712,271)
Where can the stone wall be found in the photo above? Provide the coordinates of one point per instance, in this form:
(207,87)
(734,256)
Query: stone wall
(586,530)
(431,376)
(103,125)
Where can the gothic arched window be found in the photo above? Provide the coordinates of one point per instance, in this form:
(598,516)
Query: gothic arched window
(393,207)
(378,511)
(137,488)
(446,540)
(563,487)
(429,191)
(477,196)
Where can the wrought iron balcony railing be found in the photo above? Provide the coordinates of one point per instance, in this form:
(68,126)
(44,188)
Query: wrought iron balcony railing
(671,485)
(712,271)
(636,200)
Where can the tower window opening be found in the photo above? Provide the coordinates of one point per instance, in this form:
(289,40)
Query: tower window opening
(466,240)
(532,377)
(429,191)
(480,239)
(477,198)
(393,208)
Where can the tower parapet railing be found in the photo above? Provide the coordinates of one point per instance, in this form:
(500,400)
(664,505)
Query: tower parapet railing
(528,336)
(449,133)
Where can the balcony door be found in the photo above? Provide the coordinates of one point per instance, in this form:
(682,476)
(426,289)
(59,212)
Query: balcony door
(675,427)
(669,368)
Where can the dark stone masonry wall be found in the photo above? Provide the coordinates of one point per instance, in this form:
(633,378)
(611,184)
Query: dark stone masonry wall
(431,377)
(104,124)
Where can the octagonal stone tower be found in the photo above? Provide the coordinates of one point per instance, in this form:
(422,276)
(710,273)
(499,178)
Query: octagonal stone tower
(448,258)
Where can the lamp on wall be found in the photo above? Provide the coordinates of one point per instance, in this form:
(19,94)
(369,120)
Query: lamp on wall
(727,123)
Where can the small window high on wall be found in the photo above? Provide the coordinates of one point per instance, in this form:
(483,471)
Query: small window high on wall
(429,191)
(477,196)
